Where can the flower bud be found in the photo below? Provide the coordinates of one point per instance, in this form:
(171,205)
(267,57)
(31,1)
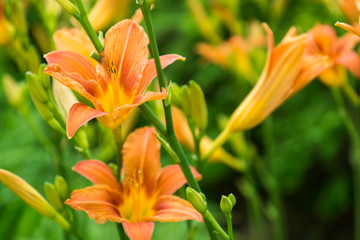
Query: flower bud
(32,197)
(185,100)
(44,79)
(36,89)
(53,196)
(197,200)
(68,6)
(15,92)
(198,105)
(226,205)
(61,187)
(232,199)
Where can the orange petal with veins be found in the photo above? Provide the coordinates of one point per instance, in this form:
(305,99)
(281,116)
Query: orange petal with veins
(172,178)
(126,49)
(80,114)
(99,202)
(97,172)
(173,209)
(150,70)
(139,231)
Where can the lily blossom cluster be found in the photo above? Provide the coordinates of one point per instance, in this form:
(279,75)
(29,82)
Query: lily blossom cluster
(288,69)
(322,40)
(144,194)
(116,85)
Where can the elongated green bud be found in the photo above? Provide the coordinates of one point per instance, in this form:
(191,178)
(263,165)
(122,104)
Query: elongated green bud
(61,187)
(32,197)
(198,105)
(53,196)
(44,79)
(185,100)
(36,89)
(197,200)
(68,6)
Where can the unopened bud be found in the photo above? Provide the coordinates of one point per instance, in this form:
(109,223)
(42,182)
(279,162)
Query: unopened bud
(61,187)
(68,6)
(198,105)
(53,196)
(36,89)
(226,205)
(232,199)
(32,197)
(44,79)
(197,200)
(15,92)
(185,100)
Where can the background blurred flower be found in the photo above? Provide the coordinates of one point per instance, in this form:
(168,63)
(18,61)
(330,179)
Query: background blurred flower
(143,196)
(322,40)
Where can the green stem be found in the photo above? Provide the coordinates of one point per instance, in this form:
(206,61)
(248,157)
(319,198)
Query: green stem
(170,133)
(355,138)
(151,117)
(121,231)
(210,218)
(85,23)
(229,224)
(352,95)
(119,144)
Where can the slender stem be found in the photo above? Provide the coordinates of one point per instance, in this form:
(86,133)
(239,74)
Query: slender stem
(229,224)
(352,95)
(121,231)
(151,116)
(119,144)
(170,133)
(85,23)
(210,218)
(355,138)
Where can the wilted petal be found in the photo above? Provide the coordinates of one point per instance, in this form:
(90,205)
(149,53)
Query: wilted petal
(141,155)
(97,172)
(174,209)
(80,114)
(126,49)
(139,231)
(99,202)
(172,178)
(150,70)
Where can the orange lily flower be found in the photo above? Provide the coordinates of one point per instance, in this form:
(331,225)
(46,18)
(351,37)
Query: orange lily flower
(288,69)
(143,196)
(348,8)
(353,29)
(106,12)
(5,27)
(117,85)
(323,41)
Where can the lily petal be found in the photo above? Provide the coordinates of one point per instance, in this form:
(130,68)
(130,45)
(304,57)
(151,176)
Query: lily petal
(97,172)
(126,49)
(99,202)
(74,40)
(350,60)
(139,231)
(172,178)
(80,114)
(141,154)
(150,70)
(74,71)
(121,113)
(173,209)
